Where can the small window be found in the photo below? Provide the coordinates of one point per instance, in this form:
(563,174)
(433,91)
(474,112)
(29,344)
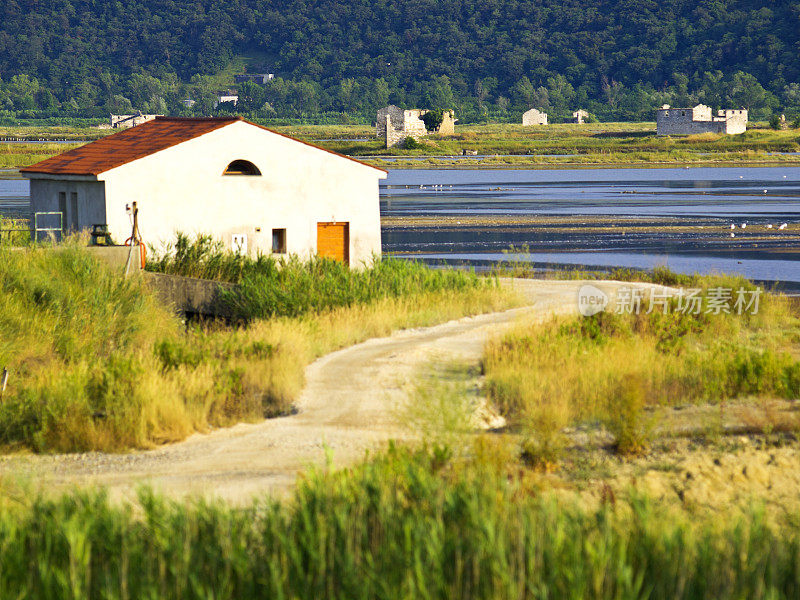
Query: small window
(242,167)
(279,241)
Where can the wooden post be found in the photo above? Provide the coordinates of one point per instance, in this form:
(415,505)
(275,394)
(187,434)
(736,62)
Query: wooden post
(3,381)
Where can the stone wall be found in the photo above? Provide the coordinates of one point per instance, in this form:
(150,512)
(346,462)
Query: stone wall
(580,116)
(534,117)
(394,125)
(699,119)
(127,121)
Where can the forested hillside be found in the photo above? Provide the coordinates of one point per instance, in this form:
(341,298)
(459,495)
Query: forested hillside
(618,58)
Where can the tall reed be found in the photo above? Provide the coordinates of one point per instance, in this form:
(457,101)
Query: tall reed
(406,524)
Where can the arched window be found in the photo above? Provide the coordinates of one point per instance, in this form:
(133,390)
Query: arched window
(242,167)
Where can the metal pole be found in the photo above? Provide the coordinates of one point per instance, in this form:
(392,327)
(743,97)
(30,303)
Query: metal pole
(134,238)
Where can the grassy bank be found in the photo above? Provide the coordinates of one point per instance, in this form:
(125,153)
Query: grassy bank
(14,156)
(96,363)
(594,144)
(406,524)
(268,287)
(614,368)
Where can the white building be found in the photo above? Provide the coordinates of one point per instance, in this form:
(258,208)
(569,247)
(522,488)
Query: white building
(534,117)
(226,98)
(699,119)
(252,188)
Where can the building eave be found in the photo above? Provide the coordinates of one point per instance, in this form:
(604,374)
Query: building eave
(58,177)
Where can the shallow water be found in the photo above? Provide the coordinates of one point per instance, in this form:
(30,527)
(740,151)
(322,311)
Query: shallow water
(678,214)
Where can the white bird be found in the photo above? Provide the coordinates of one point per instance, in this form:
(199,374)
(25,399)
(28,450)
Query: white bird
(769,226)
(783,226)
(784,176)
(744,225)
(733,234)
(740,177)
(765,191)
(733,226)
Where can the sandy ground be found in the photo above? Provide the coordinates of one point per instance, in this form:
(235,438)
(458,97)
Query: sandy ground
(348,406)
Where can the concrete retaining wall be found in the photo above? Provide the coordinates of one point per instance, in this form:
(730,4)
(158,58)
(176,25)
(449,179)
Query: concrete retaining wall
(188,295)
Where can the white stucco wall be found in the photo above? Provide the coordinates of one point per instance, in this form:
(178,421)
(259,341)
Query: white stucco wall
(183,189)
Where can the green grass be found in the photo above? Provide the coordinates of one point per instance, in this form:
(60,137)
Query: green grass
(14,156)
(15,232)
(609,367)
(97,363)
(406,524)
(561,144)
(267,287)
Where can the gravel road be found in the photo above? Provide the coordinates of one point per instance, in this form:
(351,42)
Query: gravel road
(348,406)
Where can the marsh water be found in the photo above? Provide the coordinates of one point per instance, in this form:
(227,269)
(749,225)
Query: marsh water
(601,218)
(585,218)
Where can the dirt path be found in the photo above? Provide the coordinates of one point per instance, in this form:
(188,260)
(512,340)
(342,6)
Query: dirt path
(347,406)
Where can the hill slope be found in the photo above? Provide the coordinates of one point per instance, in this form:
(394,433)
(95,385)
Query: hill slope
(496,54)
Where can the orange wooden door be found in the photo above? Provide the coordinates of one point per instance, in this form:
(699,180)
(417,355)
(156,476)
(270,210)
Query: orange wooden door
(333,241)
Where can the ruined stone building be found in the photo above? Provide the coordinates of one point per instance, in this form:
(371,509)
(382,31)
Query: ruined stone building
(580,116)
(126,121)
(534,117)
(394,124)
(699,119)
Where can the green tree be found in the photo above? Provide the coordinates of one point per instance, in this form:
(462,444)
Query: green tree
(745,91)
(251,96)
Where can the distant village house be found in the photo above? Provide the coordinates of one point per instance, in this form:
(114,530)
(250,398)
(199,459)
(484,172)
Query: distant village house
(534,117)
(394,124)
(580,116)
(699,119)
(255,190)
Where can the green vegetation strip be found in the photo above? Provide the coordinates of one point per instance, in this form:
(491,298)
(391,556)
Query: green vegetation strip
(406,524)
(96,363)
(499,146)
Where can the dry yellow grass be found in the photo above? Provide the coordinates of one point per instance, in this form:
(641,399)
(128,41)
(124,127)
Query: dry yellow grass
(609,368)
(97,364)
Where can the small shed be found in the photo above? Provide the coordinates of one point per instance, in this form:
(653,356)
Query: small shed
(256,190)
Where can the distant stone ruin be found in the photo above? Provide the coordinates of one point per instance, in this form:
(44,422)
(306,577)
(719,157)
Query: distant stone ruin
(580,116)
(394,124)
(127,121)
(534,117)
(699,119)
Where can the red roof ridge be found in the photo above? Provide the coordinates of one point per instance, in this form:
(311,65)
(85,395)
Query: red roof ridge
(198,119)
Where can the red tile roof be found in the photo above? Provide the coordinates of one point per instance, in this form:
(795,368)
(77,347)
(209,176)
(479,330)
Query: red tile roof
(137,142)
(126,146)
